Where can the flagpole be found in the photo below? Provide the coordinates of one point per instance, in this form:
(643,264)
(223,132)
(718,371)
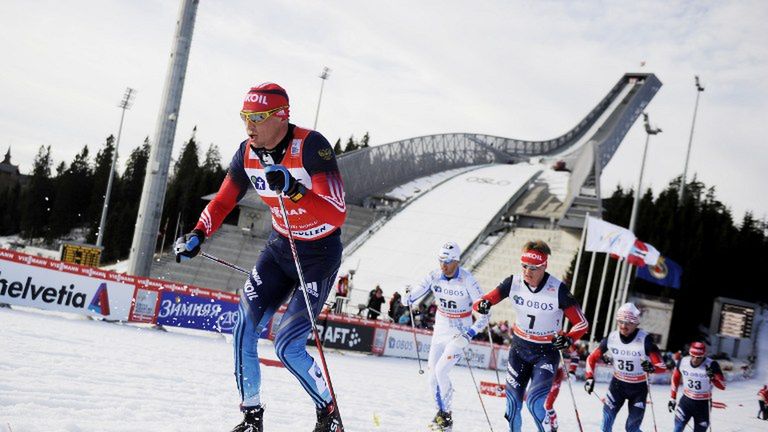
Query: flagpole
(576,269)
(609,312)
(629,279)
(622,283)
(585,301)
(599,298)
(636,202)
(621,293)
(597,309)
(578,256)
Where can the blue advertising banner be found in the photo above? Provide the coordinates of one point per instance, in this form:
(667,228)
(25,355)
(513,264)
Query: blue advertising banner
(197,312)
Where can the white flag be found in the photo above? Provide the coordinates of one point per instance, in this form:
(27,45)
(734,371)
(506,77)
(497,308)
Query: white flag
(607,237)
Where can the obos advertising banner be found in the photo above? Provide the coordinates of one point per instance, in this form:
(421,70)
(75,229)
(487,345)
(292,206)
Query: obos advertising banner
(400,344)
(43,283)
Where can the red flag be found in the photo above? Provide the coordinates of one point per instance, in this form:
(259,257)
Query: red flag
(642,254)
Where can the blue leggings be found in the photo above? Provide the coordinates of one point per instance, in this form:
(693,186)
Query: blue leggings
(270,283)
(531,367)
(618,393)
(689,408)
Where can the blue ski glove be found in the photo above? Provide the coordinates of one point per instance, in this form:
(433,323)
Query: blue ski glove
(280,179)
(188,246)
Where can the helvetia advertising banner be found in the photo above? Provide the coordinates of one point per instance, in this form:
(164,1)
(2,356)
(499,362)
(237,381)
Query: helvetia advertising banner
(31,281)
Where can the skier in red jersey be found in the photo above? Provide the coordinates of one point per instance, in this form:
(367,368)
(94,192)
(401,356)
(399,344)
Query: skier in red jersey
(541,302)
(281,161)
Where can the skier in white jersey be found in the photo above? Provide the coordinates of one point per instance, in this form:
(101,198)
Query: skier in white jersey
(698,375)
(634,357)
(455,289)
(541,302)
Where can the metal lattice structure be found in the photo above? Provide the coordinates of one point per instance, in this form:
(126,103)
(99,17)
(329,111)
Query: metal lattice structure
(375,170)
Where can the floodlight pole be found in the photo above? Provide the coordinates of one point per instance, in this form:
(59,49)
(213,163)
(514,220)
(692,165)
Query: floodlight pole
(124,104)
(699,89)
(636,203)
(649,130)
(323,76)
(156,177)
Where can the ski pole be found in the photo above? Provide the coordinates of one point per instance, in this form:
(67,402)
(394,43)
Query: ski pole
(479,396)
(570,388)
(493,356)
(712,387)
(234,267)
(415,341)
(650,398)
(303,289)
(598,398)
(224,263)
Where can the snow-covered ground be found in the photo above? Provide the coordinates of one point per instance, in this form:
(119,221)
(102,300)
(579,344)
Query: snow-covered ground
(62,373)
(18,244)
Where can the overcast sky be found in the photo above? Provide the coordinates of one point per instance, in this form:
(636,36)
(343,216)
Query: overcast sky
(400,69)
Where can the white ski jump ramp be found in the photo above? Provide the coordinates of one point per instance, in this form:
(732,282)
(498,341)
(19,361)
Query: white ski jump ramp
(405,249)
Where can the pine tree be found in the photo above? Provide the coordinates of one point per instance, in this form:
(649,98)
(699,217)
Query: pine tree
(351,144)
(124,206)
(364,141)
(37,198)
(337,147)
(10,210)
(72,198)
(211,176)
(183,193)
(101,169)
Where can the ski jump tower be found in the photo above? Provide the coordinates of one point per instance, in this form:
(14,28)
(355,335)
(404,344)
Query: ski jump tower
(586,149)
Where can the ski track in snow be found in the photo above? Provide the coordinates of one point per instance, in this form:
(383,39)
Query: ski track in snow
(63,373)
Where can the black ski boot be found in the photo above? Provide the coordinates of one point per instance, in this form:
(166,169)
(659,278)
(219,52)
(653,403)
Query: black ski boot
(443,421)
(253,420)
(328,419)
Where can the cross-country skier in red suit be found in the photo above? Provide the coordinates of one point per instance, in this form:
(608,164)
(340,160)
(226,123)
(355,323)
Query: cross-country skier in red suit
(698,375)
(281,159)
(762,400)
(634,357)
(541,301)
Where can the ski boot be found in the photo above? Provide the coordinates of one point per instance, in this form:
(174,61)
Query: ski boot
(328,419)
(253,420)
(442,422)
(552,420)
